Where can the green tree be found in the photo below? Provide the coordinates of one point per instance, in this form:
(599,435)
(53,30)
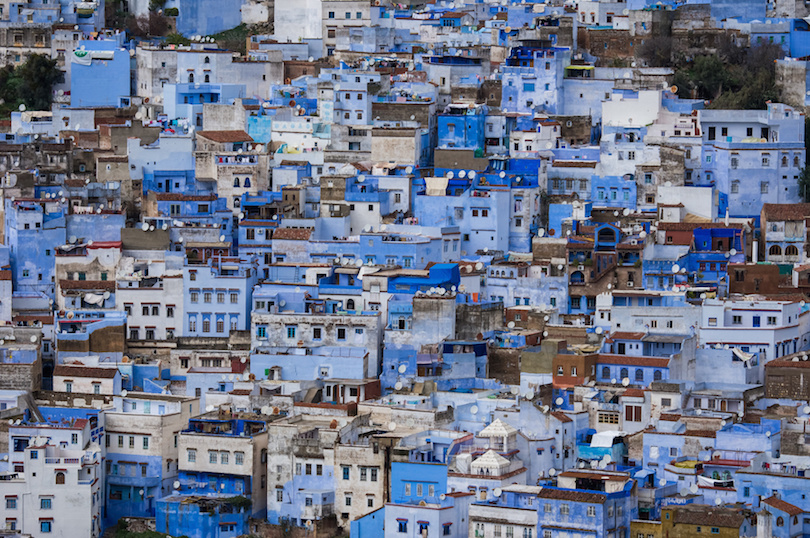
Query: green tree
(804,184)
(37,77)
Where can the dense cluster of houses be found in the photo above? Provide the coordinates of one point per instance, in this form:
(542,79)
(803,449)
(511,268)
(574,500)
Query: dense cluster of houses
(410,269)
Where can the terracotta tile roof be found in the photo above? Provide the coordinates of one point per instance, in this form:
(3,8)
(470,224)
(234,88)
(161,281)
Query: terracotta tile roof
(669,417)
(786,211)
(562,417)
(709,516)
(574,164)
(84,371)
(784,506)
(604,358)
(224,137)
(296,234)
(627,336)
(572,495)
(108,285)
(689,226)
(787,363)
(172,197)
(633,393)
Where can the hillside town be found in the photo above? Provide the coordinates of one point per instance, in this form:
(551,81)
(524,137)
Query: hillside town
(404,268)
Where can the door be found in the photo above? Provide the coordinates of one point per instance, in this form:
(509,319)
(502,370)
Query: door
(622,348)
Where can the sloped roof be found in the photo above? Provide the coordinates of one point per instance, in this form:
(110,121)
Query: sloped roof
(783,506)
(783,212)
(224,137)
(84,371)
(498,428)
(490,458)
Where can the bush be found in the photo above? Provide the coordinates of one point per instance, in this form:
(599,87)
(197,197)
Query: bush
(171,12)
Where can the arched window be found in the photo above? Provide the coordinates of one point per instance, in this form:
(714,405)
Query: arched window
(796,161)
(246,183)
(191,78)
(657,375)
(60,478)
(350,304)
(207,77)
(236,182)
(791,250)
(639,374)
(784,160)
(623,373)
(605,372)
(780,521)
(775,250)
(207,60)
(577,277)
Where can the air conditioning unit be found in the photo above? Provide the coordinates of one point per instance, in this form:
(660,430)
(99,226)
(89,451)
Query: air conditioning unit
(580,267)
(630,284)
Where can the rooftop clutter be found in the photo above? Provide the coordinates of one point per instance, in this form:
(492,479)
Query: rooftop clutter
(505,269)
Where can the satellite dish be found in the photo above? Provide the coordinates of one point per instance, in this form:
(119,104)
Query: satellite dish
(559,401)
(718,501)
(442,497)
(398,385)
(221,238)
(662,482)
(684,492)
(33,339)
(511,324)
(209,407)
(552,471)
(145,227)
(402,368)
(176,484)
(392,426)
(625,381)
(515,391)
(124,392)
(502,174)
(694,488)
(474,410)
(676,268)
(530,395)
(496,492)
(599,330)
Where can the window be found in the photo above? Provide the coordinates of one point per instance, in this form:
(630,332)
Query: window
(591,511)
(239,458)
(146,443)
(715,530)
(45,503)
(212,456)
(763,187)
(207,297)
(279,494)
(341,333)
(291,331)
(348,499)
(192,455)
(206,326)
(736,320)
(712,133)
(402,526)
(564,509)
(195,297)
(224,457)
(45,526)
(346,472)
(11,503)
(234,298)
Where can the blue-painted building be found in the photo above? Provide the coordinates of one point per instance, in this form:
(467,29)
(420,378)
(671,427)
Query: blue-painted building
(220,479)
(218,297)
(99,74)
(34,228)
